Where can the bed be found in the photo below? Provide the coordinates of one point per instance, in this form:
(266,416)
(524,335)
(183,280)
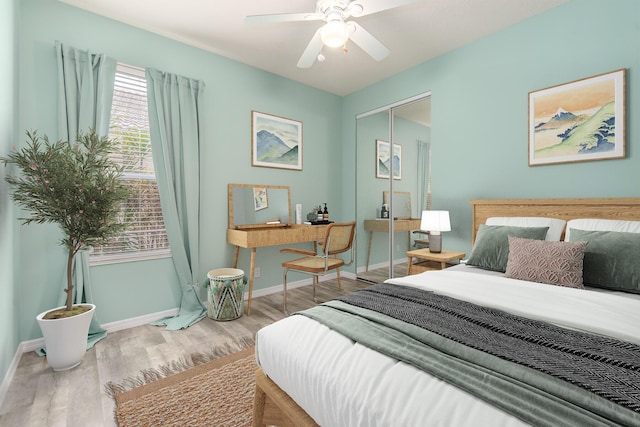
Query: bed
(408,353)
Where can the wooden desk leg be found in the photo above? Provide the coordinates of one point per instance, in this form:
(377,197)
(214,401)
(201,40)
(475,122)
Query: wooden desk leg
(235,256)
(252,266)
(409,263)
(369,250)
(443,265)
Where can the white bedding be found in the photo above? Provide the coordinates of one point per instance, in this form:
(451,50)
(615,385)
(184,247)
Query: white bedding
(342,383)
(607,313)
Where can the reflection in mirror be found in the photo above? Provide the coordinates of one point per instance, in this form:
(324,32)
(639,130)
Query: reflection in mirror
(401,204)
(408,124)
(252,206)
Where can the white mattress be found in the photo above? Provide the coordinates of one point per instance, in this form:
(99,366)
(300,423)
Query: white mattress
(342,383)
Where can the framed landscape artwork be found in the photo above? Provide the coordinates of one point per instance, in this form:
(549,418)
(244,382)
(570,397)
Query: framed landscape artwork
(276,142)
(578,121)
(260,200)
(385,161)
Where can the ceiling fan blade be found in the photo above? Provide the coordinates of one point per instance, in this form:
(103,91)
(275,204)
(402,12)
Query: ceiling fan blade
(367,42)
(311,52)
(282,17)
(359,8)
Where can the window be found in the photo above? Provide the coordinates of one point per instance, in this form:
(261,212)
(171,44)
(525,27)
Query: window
(145,236)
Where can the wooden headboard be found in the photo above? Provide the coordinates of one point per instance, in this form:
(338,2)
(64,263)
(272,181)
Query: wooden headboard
(607,208)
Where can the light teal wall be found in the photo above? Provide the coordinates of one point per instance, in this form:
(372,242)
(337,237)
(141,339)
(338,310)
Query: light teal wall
(232,91)
(480,108)
(9,318)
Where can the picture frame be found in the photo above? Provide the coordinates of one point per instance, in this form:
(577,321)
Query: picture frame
(582,120)
(384,157)
(276,142)
(260,198)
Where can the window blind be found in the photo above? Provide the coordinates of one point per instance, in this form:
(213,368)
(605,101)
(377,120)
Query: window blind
(145,235)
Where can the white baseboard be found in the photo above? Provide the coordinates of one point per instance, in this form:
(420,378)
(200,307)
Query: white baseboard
(33,345)
(382,265)
(292,285)
(373,267)
(139,321)
(13,366)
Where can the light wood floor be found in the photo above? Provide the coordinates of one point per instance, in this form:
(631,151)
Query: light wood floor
(39,397)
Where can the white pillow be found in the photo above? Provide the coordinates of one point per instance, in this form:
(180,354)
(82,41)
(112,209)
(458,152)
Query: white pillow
(592,224)
(555,225)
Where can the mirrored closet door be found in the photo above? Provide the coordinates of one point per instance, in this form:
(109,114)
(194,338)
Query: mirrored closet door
(392,180)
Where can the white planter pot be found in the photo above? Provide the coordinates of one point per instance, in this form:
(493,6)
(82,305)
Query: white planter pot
(65,339)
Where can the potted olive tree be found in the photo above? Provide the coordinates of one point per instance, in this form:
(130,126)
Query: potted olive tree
(77,186)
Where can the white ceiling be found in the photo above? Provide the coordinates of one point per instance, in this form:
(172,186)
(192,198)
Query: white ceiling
(414,33)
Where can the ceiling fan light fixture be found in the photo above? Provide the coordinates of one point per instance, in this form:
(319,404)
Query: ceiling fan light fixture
(355,9)
(334,34)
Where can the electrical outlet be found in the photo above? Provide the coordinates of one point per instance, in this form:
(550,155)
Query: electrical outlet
(256,272)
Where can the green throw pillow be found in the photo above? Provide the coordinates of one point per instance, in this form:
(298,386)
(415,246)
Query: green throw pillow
(491,249)
(611,259)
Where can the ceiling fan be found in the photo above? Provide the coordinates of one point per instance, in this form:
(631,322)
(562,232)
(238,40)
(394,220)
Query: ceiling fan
(335,32)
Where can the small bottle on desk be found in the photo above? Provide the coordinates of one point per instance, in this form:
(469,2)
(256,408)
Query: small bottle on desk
(325,214)
(320,213)
(384,213)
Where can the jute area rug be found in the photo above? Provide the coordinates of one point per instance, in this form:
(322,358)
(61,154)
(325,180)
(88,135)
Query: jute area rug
(217,392)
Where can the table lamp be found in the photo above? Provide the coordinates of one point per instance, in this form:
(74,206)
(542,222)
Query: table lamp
(435,222)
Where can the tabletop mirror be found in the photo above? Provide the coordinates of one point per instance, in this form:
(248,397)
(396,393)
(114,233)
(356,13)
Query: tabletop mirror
(259,206)
(401,203)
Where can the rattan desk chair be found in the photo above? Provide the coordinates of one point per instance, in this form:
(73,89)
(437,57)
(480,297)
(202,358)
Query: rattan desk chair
(337,240)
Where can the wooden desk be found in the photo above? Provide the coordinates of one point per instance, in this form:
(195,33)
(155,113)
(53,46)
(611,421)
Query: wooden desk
(382,225)
(260,237)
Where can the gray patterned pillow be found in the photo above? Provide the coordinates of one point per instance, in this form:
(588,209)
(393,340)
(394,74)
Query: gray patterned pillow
(553,263)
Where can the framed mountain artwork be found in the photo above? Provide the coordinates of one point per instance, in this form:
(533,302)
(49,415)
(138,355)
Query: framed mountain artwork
(276,142)
(386,160)
(578,121)
(260,198)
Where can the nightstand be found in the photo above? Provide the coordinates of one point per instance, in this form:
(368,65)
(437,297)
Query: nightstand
(426,255)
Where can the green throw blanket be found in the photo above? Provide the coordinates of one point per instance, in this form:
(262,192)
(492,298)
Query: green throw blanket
(520,365)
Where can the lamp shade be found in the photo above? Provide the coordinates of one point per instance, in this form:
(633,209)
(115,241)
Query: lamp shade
(435,221)
(334,33)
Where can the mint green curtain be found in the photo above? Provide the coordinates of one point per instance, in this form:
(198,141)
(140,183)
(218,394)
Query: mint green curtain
(424,177)
(85,92)
(175,126)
